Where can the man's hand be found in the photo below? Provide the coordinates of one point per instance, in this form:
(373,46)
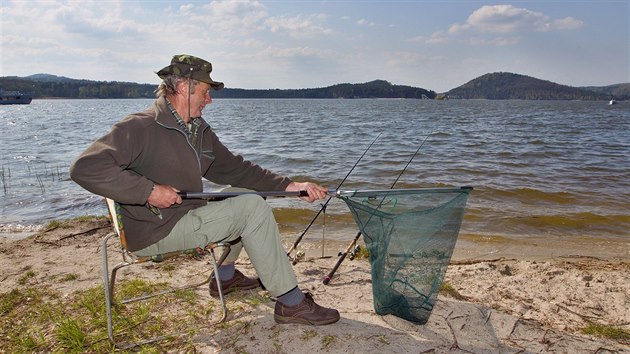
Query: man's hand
(315,191)
(163,196)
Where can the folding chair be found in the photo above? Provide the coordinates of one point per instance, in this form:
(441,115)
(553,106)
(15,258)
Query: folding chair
(130,259)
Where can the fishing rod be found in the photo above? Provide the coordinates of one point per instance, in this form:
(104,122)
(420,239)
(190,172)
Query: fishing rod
(352,249)
(217,196)
(294,260)
(214,196)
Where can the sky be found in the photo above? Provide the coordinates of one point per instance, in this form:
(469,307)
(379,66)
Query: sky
(436,45)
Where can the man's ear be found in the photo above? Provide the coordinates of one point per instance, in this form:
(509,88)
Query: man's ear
(182,87)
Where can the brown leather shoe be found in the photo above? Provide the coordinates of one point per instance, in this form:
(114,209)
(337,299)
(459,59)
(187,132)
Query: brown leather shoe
(239,281)
(306,312)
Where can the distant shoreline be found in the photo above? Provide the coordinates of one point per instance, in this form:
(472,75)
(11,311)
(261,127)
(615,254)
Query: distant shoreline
(498,85)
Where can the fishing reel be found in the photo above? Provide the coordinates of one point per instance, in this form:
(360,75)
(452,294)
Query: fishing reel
(299,255)
(354,252)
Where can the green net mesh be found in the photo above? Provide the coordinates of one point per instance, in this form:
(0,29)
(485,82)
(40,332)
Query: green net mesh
(410,234)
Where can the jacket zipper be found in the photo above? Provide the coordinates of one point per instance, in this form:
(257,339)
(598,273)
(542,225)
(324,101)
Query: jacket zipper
(188,142)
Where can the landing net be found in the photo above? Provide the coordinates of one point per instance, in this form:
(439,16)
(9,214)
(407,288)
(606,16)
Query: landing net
(410,234)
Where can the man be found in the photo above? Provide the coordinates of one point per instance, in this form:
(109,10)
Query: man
(149,156)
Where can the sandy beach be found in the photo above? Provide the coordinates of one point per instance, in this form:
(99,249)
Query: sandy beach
(537,301)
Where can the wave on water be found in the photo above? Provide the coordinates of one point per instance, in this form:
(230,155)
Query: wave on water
(572,224)
(530,196)
(12,232)
(19,228)
(522,212)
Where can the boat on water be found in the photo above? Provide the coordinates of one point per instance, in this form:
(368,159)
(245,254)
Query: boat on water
(612,102)
(15,97)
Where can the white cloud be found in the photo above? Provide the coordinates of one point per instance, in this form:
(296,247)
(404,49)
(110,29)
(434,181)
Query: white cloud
(496,41)
(278,52)
(236,15)
(187,8)
(94,19)
(405,58)
(364,22)
(509,19)
(567,23)
(238,18)
(435,38)
(299,26)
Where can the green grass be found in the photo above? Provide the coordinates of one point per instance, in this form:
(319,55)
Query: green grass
(39,319)
(383,339)
(88,218)
(168,267)
(308,334)
(70,277)
(54,224)
(70,335)
(363,253)
(23,279)
(449,290)
(328,341)
(25,318)
(256,299)
(607,331)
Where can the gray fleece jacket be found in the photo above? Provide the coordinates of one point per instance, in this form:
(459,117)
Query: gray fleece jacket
(150,148)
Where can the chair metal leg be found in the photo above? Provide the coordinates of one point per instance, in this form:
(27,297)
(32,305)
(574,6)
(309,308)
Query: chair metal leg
(216,264)
(109,282)
(109,289)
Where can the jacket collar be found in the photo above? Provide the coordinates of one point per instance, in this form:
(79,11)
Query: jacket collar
(164,117)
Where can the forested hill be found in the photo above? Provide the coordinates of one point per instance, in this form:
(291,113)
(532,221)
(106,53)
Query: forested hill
(503,86)
(46,86)
(52,86)
(490,86)
(372,89)
(618,91)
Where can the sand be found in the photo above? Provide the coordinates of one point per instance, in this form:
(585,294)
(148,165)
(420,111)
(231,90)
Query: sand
(505,304)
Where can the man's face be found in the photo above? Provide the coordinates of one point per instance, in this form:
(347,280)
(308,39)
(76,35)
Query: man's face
(199,98)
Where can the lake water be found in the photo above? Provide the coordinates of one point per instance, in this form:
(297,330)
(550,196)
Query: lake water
(539,168)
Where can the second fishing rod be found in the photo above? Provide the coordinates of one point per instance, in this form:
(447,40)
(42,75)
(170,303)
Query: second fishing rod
(294,259)
(351,249)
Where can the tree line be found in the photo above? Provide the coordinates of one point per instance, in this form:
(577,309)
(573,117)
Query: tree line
(46,86)
(489,86)
(70,88)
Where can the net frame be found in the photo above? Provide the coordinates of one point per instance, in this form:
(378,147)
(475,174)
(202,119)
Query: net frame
(410,235)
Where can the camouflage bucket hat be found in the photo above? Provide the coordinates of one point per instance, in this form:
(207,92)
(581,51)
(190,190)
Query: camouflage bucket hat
(190,66)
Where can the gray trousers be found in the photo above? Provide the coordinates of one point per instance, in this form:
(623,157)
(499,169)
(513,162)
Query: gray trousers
(247,216)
